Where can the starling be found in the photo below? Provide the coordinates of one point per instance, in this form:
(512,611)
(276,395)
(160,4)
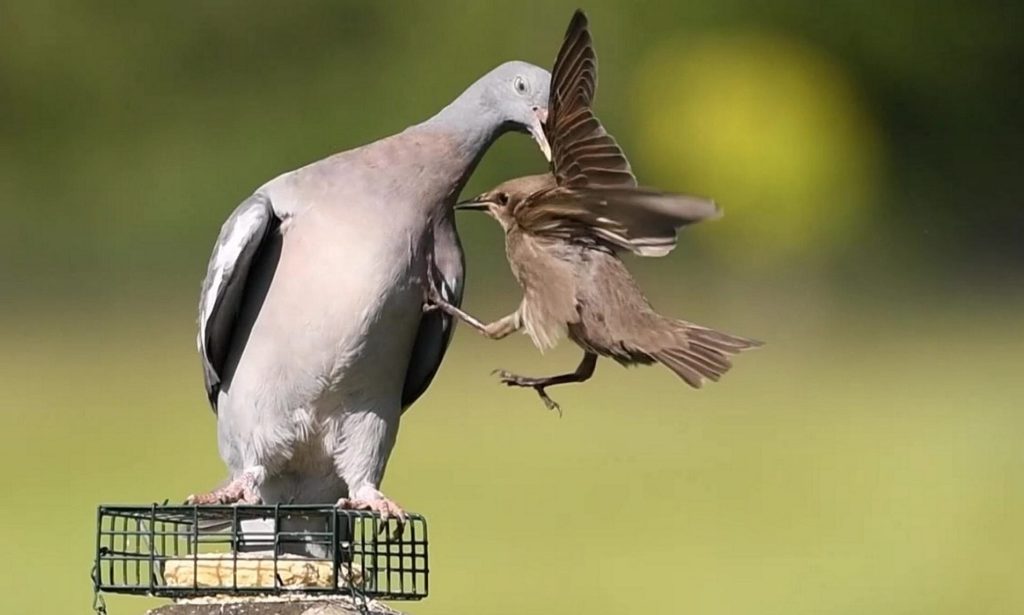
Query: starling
(564,231)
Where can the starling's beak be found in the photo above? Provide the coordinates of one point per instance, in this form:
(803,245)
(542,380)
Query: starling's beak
(536,128)
(473,205)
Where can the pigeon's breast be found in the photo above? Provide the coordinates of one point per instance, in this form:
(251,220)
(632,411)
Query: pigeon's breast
(363,285)
(345,301)
(336,325)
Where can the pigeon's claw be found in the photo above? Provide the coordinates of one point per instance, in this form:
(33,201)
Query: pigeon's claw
(386,508)
(243,489)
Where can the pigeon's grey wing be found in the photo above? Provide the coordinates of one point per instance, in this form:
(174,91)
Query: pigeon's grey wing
(640,220)
(436,327)
(239,242)
(582,151)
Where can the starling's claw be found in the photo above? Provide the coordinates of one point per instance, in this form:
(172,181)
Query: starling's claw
(550,403)
(513,380)
(430,298)
(537,384)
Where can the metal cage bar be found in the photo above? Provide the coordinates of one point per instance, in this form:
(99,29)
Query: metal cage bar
(189,551)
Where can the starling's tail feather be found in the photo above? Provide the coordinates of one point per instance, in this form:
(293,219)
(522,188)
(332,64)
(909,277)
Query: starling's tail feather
(701,353)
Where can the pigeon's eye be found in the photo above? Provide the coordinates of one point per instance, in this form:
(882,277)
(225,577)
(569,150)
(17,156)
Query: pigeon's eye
(520,85)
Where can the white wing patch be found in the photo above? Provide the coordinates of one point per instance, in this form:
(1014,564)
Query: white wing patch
(235,235)
(451,290)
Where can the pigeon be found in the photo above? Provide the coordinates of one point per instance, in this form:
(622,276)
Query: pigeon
(311,334)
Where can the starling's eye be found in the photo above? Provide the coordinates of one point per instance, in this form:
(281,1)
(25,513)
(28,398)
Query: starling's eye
(503,198)
(520,85)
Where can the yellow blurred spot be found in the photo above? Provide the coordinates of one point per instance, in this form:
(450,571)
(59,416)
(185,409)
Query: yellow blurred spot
(769,128)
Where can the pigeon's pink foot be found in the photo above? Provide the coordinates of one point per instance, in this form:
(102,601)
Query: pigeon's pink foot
(244,489)
(376,501)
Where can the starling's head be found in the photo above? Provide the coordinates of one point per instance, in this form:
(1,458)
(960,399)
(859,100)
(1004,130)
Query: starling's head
(502,200)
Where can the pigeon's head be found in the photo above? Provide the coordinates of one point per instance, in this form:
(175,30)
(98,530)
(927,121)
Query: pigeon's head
(501,201)
(518,92)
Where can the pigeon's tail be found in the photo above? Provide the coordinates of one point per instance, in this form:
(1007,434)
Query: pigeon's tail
(699,353)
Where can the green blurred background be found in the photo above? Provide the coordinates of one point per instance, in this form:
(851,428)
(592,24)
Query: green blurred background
(868,155)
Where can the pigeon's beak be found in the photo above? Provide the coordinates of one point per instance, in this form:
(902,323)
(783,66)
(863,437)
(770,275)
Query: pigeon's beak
(536,128)
(473,205)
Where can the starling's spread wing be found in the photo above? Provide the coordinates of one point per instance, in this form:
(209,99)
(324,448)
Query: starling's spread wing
(582,152)
(575,69)
(640,220)
(597,198)
(239,242)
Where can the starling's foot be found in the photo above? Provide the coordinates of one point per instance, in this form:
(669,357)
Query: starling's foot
(383,506)
(430,298)
(537,384)
(243,489)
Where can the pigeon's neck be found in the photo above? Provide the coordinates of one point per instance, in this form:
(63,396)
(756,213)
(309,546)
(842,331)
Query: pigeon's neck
(468,126)
(471,123)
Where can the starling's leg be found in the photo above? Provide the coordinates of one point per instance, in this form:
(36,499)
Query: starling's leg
(496,330)
(243,489)
(583,373)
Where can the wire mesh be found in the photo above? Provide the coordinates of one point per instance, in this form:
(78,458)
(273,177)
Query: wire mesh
(189,551)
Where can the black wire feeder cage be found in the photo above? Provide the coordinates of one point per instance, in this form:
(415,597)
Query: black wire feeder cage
(193,551)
